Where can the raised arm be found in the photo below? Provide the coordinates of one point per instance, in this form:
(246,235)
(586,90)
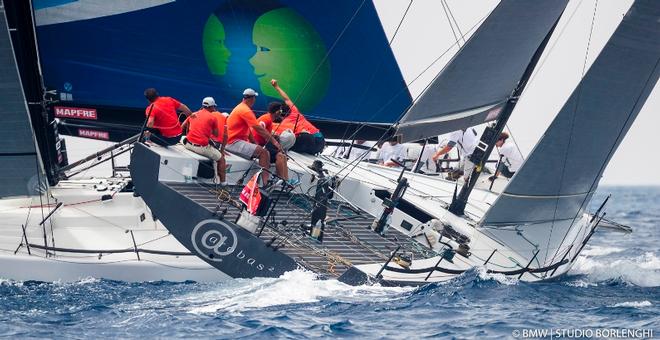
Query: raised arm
(283,94)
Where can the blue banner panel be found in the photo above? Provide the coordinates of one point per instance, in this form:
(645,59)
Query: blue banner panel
(332,57)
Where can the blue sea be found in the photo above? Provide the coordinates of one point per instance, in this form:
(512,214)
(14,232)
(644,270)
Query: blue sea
(613,291)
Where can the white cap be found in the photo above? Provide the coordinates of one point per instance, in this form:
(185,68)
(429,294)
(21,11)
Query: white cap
(208,102)
(250,93)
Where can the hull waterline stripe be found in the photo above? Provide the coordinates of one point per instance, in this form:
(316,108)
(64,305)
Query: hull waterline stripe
(489,271)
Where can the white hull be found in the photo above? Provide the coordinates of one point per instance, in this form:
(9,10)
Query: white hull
(85,226)
(88,224)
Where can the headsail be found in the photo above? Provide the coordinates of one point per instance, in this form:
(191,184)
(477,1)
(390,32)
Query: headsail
(21,172)
(333,58)
(554,185)
(476,83)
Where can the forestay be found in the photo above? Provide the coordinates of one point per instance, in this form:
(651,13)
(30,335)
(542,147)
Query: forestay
(555,184)
(20,167)
(476,83)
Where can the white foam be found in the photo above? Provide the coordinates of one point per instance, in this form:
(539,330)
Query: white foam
(600,251)
(500,278)
(293,287)
(581,284)
(641,271)
(7,282)
(634,304)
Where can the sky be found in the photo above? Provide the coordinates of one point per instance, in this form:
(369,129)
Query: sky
(425,34)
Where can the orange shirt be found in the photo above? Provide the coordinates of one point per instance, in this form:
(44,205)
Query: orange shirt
(240,120)
(166,120)
(201,126)
(295,122)
(222,121)
(266,120)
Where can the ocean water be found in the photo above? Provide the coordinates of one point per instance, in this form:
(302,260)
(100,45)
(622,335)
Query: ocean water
(614,284)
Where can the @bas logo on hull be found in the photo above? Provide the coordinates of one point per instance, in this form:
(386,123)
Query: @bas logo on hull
(213,239)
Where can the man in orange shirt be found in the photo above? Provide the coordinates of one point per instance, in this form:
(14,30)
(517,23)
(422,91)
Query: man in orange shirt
(202,127)
(240,141)
(273,115)
(163,119)
(309,139)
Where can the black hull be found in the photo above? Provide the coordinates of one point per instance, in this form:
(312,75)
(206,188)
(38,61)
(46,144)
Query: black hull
(242,255)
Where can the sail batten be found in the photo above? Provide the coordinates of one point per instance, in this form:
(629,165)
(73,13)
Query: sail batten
(485,71)
(567,163)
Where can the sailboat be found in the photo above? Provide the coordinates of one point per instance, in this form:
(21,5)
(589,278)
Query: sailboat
(395,227)
(420,241)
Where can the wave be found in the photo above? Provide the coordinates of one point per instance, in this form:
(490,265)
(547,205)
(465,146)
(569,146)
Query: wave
(600,251)
(643,271)
(293,287)
(634,304)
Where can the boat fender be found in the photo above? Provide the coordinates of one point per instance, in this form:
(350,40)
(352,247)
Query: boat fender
(248,221)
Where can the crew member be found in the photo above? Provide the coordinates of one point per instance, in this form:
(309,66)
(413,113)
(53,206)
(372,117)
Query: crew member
(309,139)
(511,158)
(202,127)
(240,121)
(163,118)
(467,141)
(392,153)
(273,115)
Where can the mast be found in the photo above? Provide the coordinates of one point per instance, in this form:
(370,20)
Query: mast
(489,137)
(20,19)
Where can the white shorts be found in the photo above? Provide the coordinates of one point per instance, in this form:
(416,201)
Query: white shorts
(208,151)
(242,148)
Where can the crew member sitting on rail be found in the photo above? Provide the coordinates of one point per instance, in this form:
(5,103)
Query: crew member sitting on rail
(202,127)
(511,158)
(467,141)
(273,115)
(163,119)
(309,138)
(240,141)
(391,153)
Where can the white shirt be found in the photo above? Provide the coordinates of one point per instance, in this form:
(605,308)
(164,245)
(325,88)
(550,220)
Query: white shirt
(510,156)
(466,141)
(355,152)
(388,152)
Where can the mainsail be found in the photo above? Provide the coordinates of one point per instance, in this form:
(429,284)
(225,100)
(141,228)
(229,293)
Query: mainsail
(477,82)
(21,170)
(557,181)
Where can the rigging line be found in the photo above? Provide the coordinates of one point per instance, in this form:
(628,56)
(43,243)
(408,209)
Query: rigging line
(515,142)
(458,41)
(570,138)
(405,88)
(547,55)
(41,201)
(373,76)
(458,28)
